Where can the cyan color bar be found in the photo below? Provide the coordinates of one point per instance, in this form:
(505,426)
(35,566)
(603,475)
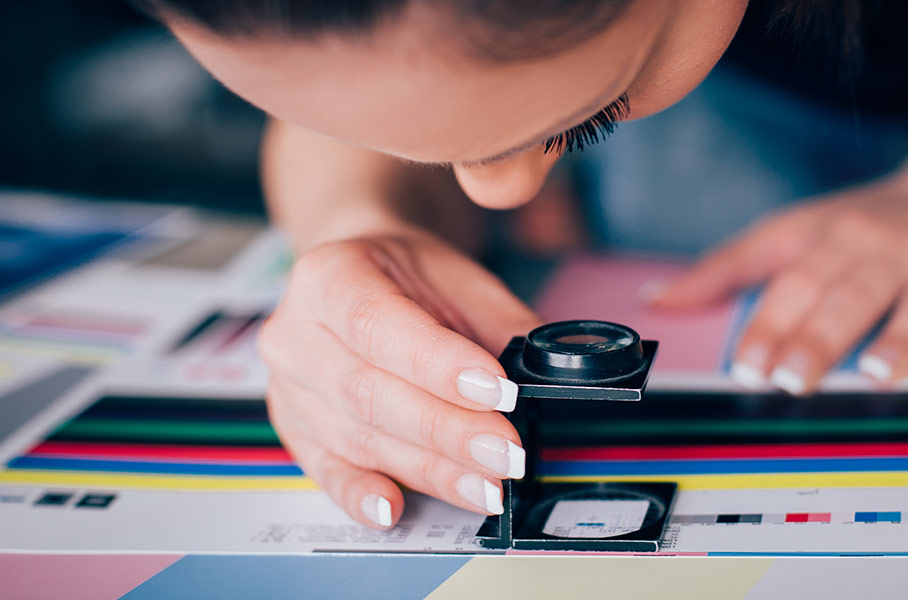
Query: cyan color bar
(174,468)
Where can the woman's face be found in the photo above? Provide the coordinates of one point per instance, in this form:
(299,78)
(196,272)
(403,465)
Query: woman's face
(410,89)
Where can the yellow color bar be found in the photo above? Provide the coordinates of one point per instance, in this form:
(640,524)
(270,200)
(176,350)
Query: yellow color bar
(67,352)
(760,480)
(157,482)
(214,483)
(6,370)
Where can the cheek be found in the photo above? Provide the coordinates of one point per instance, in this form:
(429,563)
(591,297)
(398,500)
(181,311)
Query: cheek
(508,184)
(685,58)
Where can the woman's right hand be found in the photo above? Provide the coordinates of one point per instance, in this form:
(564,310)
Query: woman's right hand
(383,369)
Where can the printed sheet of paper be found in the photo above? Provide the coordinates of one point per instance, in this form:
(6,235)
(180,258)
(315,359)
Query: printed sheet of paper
(181,329)
(58,518)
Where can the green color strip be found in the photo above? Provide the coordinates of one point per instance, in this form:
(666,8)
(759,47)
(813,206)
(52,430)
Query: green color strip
(726,427)
(169,431)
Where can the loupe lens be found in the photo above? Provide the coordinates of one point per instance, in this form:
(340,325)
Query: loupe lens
(583,337)
(583,350)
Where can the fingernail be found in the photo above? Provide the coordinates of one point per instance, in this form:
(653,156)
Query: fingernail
(501,455)
(480,492)
(875,366)
(652,290)
(791,374)
(747,376)
(377,509)
(489,390)
(749,368)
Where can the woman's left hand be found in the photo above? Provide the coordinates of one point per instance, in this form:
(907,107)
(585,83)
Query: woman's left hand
(834,267)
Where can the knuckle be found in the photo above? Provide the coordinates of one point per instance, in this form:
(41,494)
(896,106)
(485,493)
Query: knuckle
(360,388)
(426,469)
(360,448)
(322,260)
(818,346)
(855,223)
(429,423)
(434,342)
(801,282)
(852,296)
(363,323)
(424,360)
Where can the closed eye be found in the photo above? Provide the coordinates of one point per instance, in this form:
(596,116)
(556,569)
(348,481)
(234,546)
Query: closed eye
(592,131)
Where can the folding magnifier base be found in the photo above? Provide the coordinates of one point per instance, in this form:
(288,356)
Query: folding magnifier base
(576,360)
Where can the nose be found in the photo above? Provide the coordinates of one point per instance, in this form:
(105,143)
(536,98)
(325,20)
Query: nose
(508,183)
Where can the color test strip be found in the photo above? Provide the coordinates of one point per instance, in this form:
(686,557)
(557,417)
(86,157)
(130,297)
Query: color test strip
(76,353)
(87,323)
(706,467)
(759,480)
(163,482)
(253,454)
(878,517)
(777,519)
(712,451)
(618,428)
(171,468)
(155,430)
(796,518)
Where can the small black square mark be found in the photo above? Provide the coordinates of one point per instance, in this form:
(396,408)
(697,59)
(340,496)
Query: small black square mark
(54,499)
(95,500)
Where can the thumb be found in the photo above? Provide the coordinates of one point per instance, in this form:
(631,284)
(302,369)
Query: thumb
(492,313)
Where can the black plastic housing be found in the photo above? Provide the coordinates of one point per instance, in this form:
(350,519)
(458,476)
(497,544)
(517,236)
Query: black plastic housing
(572,360)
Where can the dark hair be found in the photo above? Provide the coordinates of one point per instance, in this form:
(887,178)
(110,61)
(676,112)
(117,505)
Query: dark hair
(504,30)
(494,29)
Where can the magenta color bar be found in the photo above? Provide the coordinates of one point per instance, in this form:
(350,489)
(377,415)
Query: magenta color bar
(819,517)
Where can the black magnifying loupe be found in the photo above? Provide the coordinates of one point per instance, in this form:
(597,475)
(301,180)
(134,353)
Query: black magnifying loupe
(553,365)
(580,360)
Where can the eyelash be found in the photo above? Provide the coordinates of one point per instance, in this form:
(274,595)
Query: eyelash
(592,131)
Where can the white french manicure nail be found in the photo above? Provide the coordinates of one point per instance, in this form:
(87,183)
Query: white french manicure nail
(786,379)
(377,509)
(480,492)
(498,454)
(747,375)
(875,367)
(791,373)
(487,389)
(749,368)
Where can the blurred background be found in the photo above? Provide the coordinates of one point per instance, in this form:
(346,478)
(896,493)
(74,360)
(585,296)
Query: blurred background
(98,100)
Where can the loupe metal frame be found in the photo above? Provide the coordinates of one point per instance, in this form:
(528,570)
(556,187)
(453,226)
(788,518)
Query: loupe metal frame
(575,371)
(580,376)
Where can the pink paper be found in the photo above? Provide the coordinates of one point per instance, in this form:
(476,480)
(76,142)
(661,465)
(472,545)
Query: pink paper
(77,576)
(608,288)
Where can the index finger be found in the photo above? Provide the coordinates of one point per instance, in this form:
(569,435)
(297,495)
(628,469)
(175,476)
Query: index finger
(370,313)
(745,261)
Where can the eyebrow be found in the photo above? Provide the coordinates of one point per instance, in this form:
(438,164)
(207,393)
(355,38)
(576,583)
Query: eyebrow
(579,117)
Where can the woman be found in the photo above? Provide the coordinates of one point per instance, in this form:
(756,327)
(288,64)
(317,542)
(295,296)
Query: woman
(383,350)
